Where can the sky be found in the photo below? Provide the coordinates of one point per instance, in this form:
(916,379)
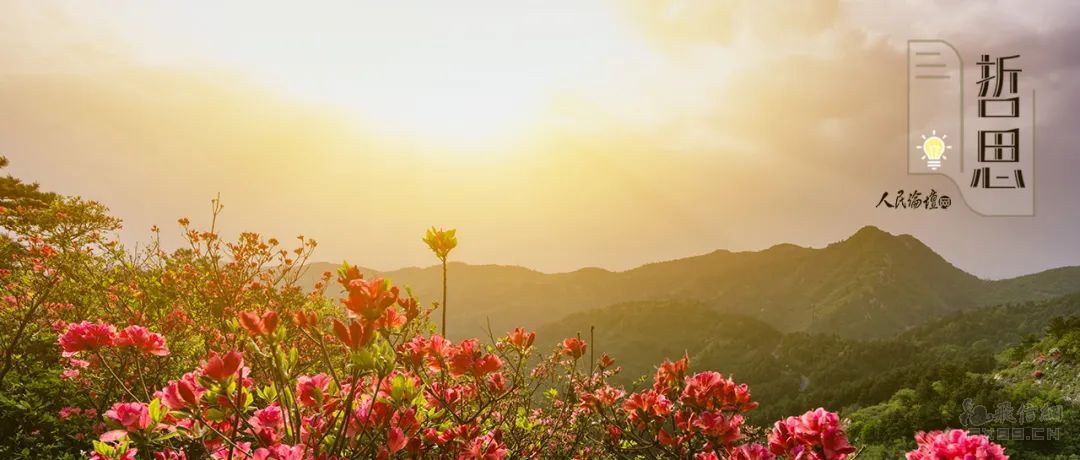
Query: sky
(553,135)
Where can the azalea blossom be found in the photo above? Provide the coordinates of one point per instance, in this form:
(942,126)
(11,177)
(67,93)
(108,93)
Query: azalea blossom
(955,445)
(710,390)
(87,336)
(221,367)
(179,394)
(816,431)
(573,347)
(520,339)
(310,390)
(468,359)
(750,452)
(142,339)
(132,416)
(259,325)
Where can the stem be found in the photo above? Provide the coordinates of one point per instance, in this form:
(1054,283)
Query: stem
(444,297)
(235,403)
(347,412)
(105,364)
(142,381)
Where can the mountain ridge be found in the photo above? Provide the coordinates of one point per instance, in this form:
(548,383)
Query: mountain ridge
(870,284)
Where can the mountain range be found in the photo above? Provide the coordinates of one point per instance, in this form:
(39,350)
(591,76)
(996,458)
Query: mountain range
(869,285)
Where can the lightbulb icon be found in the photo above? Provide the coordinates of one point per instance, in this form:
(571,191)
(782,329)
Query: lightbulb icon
(934,148)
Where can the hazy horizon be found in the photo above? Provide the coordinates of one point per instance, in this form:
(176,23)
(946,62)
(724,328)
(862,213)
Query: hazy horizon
(477,263)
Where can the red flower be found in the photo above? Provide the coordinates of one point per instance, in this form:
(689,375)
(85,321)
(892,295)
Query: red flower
(219,367)
(670,375)
(396,440)
(87,336)
(304,319)
(410,306)
(486,447)
(606,361)
(256,325)
(369,298)
(467,358)
(143,340)
(354,336)
(574,347)
(521,340)
(723,430)
(646,406)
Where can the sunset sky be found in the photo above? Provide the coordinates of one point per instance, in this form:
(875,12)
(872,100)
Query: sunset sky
(553,135)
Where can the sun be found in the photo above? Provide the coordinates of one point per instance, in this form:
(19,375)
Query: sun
(485,114)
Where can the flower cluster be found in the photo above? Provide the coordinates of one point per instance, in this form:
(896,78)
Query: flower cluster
(816,434)
(371,382)
(955,445)
(92,337)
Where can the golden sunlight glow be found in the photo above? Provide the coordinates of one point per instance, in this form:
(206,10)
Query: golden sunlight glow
(434,73)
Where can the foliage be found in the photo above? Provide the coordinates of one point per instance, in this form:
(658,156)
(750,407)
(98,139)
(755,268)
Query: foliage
(214,350)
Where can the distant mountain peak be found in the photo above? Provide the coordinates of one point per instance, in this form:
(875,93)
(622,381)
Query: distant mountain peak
(871,231)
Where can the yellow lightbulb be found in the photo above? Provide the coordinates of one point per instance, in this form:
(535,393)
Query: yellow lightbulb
(934,148)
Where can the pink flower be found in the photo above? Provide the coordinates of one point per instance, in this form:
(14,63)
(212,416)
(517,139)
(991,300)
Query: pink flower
(750,452)
(280,452)
(267,422)
(68,412)
(69,374)
(603,397)
(816,431)
(486,447)
(132,416)
(128,455)
(241,452)
(955,445)
(710,390)
(143,340)
(310,390)
(182,393)
(169,454)
(87,336)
